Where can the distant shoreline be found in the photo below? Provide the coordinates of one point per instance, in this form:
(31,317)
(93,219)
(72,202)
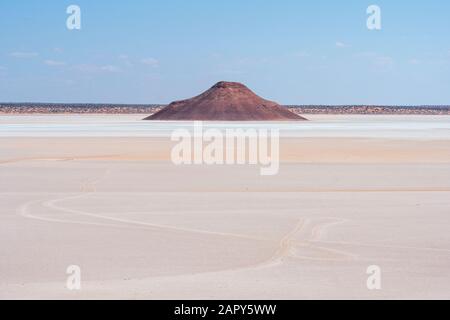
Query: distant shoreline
(50,108)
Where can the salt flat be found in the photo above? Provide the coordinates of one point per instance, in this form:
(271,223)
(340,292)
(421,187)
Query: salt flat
(352,191)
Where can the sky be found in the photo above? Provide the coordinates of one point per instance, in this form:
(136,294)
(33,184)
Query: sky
(289,51)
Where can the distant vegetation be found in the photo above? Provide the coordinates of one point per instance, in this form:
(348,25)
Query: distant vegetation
(61,108)
(79,108)
(358,109)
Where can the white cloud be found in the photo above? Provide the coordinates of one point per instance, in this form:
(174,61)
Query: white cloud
(414,61)
(340,44)
(384,61)
(216,55)
(19,54)
(379,60)
(53,63)
(90,68)
(58,50)
(109,68)
(2,68)
(301,54)
(152,62)
(126,60)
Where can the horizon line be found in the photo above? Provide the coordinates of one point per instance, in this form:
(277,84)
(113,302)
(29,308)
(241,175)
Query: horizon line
(286,105)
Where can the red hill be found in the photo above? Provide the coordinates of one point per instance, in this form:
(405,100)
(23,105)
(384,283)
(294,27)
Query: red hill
(226,101)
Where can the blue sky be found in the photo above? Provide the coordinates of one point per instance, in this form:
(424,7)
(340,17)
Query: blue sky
(290,51)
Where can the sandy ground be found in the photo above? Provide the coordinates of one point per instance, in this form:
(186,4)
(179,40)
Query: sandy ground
(142,228)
